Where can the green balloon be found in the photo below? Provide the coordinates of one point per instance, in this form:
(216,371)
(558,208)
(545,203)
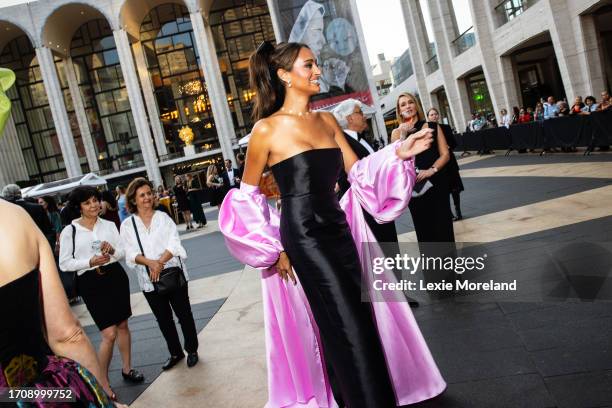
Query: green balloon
(7,79)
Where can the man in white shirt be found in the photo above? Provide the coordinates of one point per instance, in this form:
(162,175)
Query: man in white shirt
(505,118)
(551,109)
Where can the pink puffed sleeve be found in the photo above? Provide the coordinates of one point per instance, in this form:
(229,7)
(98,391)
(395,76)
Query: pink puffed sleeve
(382,183)
(250,227)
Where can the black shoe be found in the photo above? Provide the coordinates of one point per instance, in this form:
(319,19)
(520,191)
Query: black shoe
(133,376)
(192,359)
(172,361)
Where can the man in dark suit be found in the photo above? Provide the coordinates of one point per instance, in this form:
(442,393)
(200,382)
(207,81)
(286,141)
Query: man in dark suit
(241,161)
(12,193)
(229,176)
(351,118)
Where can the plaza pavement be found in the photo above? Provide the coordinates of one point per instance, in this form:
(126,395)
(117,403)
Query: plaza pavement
(495,354)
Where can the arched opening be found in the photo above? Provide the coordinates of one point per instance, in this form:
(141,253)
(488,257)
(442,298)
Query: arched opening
(238,28)
(105,98)
(179,85)
(31,113)
(535,63)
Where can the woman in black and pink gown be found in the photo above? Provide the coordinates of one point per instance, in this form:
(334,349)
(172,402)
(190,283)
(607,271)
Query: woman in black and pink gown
(42,344)
(375,352)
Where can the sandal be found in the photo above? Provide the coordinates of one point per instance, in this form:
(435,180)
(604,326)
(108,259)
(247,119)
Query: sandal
(133,376)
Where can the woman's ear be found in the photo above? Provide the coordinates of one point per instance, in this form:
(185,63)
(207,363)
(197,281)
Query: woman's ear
(284,76)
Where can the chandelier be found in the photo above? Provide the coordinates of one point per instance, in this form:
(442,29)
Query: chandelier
(192,87)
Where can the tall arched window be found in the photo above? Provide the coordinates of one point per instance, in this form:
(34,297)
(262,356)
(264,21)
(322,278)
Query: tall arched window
(32,114)
(178,82)
(105,97)
(238,29)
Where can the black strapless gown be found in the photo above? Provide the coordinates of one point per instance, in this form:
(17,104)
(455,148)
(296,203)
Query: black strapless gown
(25,357)
(317,239)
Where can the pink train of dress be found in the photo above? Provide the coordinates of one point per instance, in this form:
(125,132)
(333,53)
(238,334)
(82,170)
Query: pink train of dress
(380,183)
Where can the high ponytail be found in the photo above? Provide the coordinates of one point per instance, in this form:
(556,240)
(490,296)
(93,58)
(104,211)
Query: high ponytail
(263,65)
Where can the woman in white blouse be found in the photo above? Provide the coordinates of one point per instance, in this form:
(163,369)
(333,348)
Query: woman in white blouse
(91,247)
(161,249)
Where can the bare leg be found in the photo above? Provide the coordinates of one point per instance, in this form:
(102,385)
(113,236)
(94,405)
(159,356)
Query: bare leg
(124,342)
(187,216)
(105,353)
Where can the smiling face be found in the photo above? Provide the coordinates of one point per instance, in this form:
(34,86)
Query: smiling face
(304,75)
(144,198)
(90,208)
(407,107)
(356,120)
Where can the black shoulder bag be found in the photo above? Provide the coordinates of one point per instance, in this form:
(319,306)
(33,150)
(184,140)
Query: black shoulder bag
(170,279)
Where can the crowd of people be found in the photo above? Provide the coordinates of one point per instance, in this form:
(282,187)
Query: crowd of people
(338,193)
(544,110)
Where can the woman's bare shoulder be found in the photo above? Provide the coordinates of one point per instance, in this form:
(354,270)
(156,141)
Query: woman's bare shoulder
(18,240)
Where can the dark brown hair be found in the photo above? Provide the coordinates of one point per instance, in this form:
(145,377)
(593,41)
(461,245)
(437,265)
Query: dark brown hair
(263,64)
(80,195)
(132,188)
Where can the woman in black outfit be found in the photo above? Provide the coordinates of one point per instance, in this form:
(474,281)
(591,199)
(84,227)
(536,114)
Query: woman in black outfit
(431,213)
(452,168)
(180,195)
(305,151)
(91,247)
(194,194)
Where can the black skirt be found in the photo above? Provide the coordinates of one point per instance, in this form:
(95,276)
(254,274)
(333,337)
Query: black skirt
(106,293)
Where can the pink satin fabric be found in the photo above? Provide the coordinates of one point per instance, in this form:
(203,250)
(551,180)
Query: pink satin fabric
(296,371)
(381,183)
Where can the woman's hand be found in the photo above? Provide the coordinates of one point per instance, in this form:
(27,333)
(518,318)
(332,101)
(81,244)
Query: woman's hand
(405,129)
(99,260)
(155,268)
(415,144)
(283,265)
(106,248)
(424,174)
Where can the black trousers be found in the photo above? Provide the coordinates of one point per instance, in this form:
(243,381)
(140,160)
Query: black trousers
(162,307)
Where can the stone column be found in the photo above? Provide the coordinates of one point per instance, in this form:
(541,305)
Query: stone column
(417,40)
(149,99)
(79,110)
(591,58)
(484,22)
(214,83)
(12,163)
(58,111)
(445,31)
(276,21)
(137,105)
(562,35)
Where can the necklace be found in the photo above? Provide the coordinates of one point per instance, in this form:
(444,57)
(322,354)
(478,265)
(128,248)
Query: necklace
(292,112)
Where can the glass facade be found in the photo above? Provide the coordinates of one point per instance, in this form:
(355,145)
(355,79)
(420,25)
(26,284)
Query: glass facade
(105,97)
(32,114)
(180,88)
(480,100)
(238,29)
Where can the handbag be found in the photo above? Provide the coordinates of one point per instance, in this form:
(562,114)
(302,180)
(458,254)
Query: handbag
(170,279)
